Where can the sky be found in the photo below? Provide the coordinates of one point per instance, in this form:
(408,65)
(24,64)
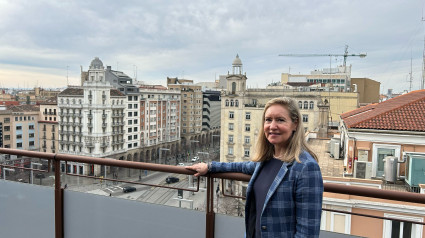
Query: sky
(46,43)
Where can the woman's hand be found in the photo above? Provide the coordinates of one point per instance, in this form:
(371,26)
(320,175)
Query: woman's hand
(201,169)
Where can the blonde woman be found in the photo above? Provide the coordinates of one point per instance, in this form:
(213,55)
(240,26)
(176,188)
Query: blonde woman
(284,195)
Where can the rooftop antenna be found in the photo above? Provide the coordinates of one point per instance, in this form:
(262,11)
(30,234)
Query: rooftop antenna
(423,57)
(423,66)
(411,76)
(67,82)
(135,72)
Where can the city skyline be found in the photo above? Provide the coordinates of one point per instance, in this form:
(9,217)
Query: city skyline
(46,43)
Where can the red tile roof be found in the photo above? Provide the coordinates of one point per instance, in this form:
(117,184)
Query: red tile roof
(402,113)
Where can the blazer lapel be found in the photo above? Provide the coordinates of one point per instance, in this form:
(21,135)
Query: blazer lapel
(277,180)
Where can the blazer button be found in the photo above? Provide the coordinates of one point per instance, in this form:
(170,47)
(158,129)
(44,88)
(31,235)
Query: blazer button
(264,227)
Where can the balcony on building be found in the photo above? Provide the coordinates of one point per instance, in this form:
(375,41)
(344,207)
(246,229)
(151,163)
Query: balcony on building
(60,205)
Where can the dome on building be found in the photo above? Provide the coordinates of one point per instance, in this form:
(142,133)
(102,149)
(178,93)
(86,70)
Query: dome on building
(96,64)
(237,61)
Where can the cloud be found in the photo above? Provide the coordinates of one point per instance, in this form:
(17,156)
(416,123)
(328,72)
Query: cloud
(201,38)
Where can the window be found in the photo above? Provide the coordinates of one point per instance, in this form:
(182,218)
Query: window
(130,114)
(31,135)
(247,139)
(130,122)
(246,152)
(19,145)
(230,138)
(135,106)
(311,105)
(231,115)
(6,137)
(305,105)
(232,103)
(18,128)
(130,98)
(130,130)
(135,114)
(135,121)
(248,116)
(130,106)
(247,127)
(227,102)
(19,136)
(305,118)
(135,137)
(230,151)
(129,137)
(237,103)
(231,126)
(300,104)
(7,128)
(31,143)
(6,120)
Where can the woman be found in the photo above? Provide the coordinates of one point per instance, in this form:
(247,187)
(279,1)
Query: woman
(284,195)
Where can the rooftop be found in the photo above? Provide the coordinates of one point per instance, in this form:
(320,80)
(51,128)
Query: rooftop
(402,113)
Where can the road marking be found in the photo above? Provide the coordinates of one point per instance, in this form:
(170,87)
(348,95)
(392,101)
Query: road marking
(109,189)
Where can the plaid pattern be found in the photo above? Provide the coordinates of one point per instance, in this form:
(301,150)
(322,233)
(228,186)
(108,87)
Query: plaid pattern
(293,204)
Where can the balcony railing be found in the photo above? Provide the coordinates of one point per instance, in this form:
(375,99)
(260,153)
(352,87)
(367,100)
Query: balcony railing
(92,227)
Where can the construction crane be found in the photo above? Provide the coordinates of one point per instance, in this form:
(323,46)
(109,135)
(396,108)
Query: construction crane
(345,55)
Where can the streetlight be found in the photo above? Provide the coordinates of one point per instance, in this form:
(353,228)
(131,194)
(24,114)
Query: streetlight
(4,172)
(32,172)
(161,149)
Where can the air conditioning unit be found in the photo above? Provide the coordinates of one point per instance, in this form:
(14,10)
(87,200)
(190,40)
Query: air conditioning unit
(362,169)
(415,167)
(336,150)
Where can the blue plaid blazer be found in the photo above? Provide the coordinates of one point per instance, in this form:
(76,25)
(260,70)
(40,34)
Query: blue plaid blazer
(293,204)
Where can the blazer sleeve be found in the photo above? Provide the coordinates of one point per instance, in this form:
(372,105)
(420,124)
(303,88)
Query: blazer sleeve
(308,200)
(237,167)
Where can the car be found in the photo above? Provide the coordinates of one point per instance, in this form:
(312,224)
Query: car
(180,164)
(171,179)
(196,158)
(128,189)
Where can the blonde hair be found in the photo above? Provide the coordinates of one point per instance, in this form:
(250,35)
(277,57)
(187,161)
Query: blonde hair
(297,143)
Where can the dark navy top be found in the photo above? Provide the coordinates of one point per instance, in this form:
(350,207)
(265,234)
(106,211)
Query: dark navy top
(261,187)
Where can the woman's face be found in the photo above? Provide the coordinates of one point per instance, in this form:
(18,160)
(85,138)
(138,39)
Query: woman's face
(278,126)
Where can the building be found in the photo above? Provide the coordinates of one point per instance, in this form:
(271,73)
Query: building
(368,90)
(48,126)
(124,84)
(211,110)
(191,109)
(337,79)
(242,112)
(160,118)
(92,120)
(394,127)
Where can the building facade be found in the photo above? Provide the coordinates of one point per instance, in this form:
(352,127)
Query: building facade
(191,108)
(92,120)
(48,126)
(160,117)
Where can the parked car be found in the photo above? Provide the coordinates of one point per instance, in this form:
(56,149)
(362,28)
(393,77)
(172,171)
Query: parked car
(171,179)
(128,189)
(180,164)
(196,158)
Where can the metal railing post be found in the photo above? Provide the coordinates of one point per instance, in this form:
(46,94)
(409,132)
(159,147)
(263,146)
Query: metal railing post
(58,201)
(210,215)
